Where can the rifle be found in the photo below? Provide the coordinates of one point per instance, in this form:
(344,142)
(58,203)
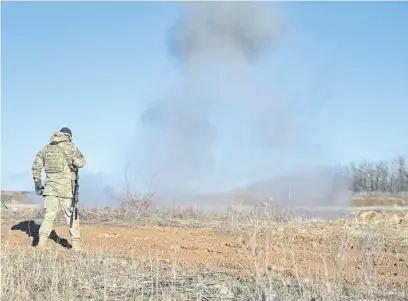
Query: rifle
(75,199)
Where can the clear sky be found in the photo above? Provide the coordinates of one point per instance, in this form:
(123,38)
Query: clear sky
(95,67)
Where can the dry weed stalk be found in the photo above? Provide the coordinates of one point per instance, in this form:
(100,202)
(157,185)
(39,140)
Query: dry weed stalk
(135,205)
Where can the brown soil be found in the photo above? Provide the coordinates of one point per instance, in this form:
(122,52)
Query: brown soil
(377,201)
(305,252)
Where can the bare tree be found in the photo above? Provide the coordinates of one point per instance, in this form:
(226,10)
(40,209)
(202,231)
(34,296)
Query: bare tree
(380,178)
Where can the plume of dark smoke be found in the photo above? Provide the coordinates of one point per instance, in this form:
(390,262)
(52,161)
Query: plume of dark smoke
(233,31)
(217,45)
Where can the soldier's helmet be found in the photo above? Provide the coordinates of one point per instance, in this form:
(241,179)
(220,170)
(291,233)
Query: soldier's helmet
(66,130)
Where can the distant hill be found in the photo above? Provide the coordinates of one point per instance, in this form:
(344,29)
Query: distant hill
(312,187)
(309,187)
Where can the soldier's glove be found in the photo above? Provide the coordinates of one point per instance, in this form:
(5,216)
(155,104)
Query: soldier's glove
(38,188)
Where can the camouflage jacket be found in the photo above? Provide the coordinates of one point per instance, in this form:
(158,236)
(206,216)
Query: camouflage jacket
(60,158)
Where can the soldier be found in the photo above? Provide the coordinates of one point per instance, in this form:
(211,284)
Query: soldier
(60,159)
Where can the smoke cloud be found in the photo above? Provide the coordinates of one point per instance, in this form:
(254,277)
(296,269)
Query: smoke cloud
(95,189)
(221,122)
(232,30)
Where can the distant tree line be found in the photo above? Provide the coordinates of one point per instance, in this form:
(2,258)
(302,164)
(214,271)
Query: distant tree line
(383,178)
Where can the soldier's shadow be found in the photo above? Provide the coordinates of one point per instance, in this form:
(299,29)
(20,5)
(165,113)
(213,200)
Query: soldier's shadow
(31,228)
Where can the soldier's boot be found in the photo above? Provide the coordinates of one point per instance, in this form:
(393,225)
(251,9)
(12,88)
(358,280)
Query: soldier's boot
(76,245)
(42,242)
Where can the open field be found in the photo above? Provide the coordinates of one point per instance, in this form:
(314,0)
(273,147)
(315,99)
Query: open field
(190,255)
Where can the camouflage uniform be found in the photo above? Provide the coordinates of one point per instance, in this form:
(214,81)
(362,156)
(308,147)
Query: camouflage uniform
(60,158)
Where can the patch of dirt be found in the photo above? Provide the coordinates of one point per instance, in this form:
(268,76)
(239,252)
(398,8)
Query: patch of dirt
(288,251)
(384,217)
(379,201)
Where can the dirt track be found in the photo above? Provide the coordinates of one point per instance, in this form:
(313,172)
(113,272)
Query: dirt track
(293,252)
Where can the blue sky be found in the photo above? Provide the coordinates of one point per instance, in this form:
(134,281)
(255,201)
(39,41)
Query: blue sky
(95,67)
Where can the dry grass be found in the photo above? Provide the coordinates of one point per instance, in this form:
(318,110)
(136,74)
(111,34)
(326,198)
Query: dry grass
(58,274)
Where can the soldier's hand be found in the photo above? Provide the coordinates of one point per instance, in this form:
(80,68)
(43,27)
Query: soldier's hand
(38,188)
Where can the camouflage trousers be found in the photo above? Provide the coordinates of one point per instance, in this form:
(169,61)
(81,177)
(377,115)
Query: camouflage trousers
(52,205)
